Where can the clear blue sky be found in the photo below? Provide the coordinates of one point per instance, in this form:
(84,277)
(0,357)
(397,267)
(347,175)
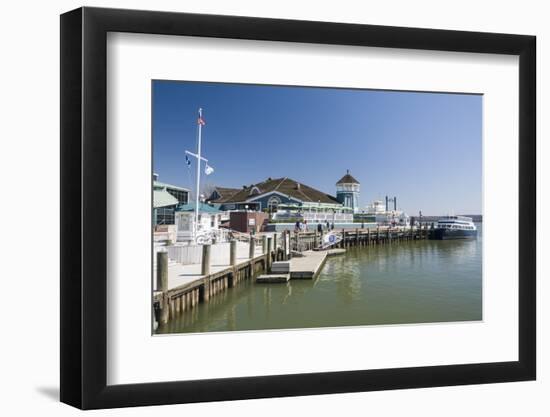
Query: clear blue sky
(423,148)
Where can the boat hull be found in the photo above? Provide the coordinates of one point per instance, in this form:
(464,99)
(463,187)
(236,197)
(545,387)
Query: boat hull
(445,234)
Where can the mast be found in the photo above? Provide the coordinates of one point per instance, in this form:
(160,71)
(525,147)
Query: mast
(198,175)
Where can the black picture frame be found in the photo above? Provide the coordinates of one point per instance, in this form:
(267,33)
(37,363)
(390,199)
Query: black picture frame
(84,207)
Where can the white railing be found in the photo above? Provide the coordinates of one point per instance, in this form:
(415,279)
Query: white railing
(192,254)
(311,216)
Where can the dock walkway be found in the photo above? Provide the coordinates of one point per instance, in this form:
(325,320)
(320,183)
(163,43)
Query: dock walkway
(308,265)
(185,275)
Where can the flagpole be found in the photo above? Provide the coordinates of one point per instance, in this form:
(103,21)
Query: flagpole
(198,176)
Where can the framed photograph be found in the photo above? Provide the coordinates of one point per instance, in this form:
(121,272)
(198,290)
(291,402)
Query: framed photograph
(258,208)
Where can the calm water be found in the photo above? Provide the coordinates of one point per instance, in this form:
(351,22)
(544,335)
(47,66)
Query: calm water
(415,282)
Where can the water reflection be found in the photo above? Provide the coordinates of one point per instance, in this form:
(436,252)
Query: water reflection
(415,282)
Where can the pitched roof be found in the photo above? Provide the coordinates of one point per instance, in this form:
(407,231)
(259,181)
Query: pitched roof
(286,186)
(347,179)
(225,193)
(162,198)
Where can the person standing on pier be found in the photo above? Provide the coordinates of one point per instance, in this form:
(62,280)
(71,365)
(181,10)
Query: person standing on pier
(320,228)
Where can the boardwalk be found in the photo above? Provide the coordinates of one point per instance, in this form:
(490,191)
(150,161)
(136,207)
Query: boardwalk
(183,275)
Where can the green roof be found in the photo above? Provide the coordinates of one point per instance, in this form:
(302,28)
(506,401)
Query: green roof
(158,184)
(203,208)
(162,198)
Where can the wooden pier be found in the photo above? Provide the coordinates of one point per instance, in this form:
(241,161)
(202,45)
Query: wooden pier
(181,287)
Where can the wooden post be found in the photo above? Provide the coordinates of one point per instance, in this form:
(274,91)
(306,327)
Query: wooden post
(275,245)
(316,239)
(285,245)
(162,271)
(205,268)
(233,253)
(377,234)
(264,244)
(368,236)
(252,247)
(269,250)
(162,285)
(356,237)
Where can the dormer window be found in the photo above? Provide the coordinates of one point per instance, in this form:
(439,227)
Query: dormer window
(254,191)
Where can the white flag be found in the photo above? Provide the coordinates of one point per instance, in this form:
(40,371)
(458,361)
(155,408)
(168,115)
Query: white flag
(208,170)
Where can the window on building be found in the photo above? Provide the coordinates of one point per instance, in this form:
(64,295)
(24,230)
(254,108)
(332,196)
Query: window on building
(273,204)
(165,215)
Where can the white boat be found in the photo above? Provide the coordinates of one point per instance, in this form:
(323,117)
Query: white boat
(454,227)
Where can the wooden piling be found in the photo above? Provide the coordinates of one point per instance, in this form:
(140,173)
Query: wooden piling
(252,247)
(285,245)
(233,253)
(162,285)
(172,305)
(183,303)
(205,267)
(264,244)
(269,250)
(162,271)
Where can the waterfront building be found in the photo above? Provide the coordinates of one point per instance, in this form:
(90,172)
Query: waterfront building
(166,197)
(285,199)
(347,192)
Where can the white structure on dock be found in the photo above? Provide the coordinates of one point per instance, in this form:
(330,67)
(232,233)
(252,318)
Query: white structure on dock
(202,228)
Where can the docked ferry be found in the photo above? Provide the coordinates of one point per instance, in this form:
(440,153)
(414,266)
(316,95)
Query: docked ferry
(455,227)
